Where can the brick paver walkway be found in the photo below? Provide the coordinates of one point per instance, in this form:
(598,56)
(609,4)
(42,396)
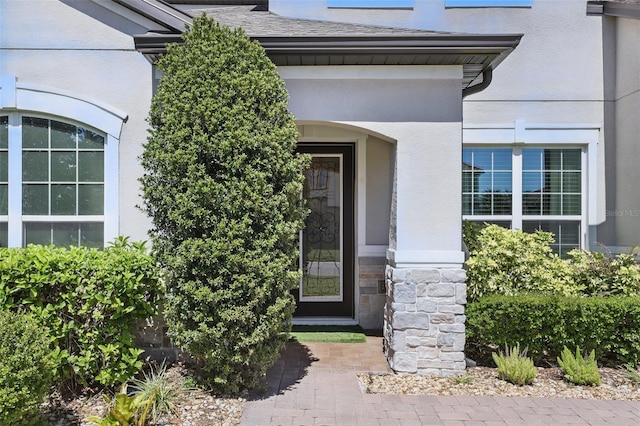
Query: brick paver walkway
(315,384)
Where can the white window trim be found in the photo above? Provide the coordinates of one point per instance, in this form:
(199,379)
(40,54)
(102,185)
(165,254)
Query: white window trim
(519,135)
(19,99)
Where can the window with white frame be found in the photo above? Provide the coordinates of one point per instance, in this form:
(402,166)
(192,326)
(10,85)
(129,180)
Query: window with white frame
(527,188)
(52,182)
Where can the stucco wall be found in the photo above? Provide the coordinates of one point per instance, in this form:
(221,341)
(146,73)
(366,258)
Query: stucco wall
(555,75)
(56,44)
(623,205)
(380,161)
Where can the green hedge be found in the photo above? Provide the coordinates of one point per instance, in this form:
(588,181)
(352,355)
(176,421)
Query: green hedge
(88,299)
(545,324)
(26,368)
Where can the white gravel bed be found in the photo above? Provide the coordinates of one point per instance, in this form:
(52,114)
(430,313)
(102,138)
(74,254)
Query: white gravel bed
(484,381)
(199,409)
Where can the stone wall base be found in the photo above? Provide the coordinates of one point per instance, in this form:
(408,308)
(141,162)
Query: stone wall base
(424,330)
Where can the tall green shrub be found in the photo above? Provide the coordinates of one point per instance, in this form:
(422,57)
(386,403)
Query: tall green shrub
(510,262)
(222,185)
(26,368)
(89,299)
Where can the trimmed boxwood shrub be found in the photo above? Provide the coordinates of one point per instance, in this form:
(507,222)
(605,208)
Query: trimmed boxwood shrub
(222,186)
(546,324)
(26,368)
(89,299)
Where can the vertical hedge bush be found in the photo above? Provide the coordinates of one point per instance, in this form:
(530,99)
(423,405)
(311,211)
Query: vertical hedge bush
(222,185)
(26,368)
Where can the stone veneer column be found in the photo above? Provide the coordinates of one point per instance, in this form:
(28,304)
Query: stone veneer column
(424,319)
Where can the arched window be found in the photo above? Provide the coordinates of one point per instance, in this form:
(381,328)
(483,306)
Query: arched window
(58,167)
(53,173)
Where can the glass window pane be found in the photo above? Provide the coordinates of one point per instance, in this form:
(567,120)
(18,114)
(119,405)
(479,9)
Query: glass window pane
(562,187)
(552,182)
(37,233)
(572,204)
(65,234)
(565,233)
(89,140)
(552,159)
(4,132)
(531,182)
(35,166)
(466,204)
(482,159)
(532,159)
(91,166)
(571,159)
(466,159)
(63,135)
(484,182)
(92,235)
(4,166)
(531,204)
(501,203)
(4,199)
(502,159)
(90,199)
(482,204)
(467,182)
(571,182)
(502,182)
(63,166)
(63,199)
(551,204)
(488,179)
(35,199)
(35,132)
(4,235)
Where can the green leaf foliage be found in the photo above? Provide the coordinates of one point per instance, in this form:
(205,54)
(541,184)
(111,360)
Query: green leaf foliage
(546,324)
(514,366)
(88,299)
(26,367)
(509,262)
(222,186)
(579,369)
(125,410)
(600,274)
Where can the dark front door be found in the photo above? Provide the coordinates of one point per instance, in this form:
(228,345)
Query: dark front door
(327,242)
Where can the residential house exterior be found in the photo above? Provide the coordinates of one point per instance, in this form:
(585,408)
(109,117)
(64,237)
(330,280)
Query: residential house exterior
(398,102)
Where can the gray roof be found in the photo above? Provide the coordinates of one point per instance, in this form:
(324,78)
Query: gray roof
(258,22)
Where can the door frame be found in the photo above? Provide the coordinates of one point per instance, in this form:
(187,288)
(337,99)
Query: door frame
(346,308)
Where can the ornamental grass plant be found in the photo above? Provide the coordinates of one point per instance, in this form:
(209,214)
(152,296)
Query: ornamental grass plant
(514,366)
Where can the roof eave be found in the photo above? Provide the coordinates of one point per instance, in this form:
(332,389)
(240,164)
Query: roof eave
(476,53)
(619,10)
(174,20)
